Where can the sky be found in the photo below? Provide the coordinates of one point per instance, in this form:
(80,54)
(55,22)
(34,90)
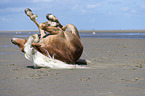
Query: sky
(84,14)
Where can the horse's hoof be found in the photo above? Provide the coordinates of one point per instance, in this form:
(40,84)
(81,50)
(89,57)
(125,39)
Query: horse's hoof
(28,12)
(51,17)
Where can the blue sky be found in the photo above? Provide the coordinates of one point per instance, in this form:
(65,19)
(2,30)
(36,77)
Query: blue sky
(84,14)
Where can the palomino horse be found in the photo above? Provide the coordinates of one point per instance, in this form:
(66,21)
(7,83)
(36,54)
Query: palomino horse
(62,45)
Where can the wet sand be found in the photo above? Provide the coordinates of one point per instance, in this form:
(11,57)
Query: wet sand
(117,69)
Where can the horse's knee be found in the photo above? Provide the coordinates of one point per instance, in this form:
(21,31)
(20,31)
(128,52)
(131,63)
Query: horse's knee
(42,26)
(71,28)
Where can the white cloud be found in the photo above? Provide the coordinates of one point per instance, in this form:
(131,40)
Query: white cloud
(5,1)
(17,9)
(12,9)
(110,13)
(81,9)
(125,9)
(133,11)
(37,1)
(4,19)
(75,7)
(24,1)
(94,5)
(143,6)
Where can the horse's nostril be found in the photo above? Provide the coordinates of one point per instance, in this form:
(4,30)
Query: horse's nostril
(13,41)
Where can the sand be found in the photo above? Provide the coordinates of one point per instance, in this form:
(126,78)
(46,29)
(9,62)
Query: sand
(117,69)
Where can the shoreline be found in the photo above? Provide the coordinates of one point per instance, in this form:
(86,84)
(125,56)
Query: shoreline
(87,31)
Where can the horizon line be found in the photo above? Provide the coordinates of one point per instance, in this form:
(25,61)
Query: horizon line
(85,31)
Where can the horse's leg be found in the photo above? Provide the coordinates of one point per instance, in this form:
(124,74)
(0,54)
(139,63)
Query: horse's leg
(52,18)
(33,17)
(71,28)
(51,29)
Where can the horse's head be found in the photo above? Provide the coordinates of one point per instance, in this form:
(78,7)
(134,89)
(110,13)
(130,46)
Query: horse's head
(19,42)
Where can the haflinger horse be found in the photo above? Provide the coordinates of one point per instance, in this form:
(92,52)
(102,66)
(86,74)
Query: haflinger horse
(61,48)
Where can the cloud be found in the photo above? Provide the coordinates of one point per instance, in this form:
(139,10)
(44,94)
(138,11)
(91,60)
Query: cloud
(125,9)
(133,11)
(85,7)
(109,13)
(3,19)
(24,1)
(79,8)
(5,1)
(143,6)
(94,5)
(37,1)
(12,9)
(16,9)
(75,7)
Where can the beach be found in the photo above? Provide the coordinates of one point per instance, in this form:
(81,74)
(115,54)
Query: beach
(117,68)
